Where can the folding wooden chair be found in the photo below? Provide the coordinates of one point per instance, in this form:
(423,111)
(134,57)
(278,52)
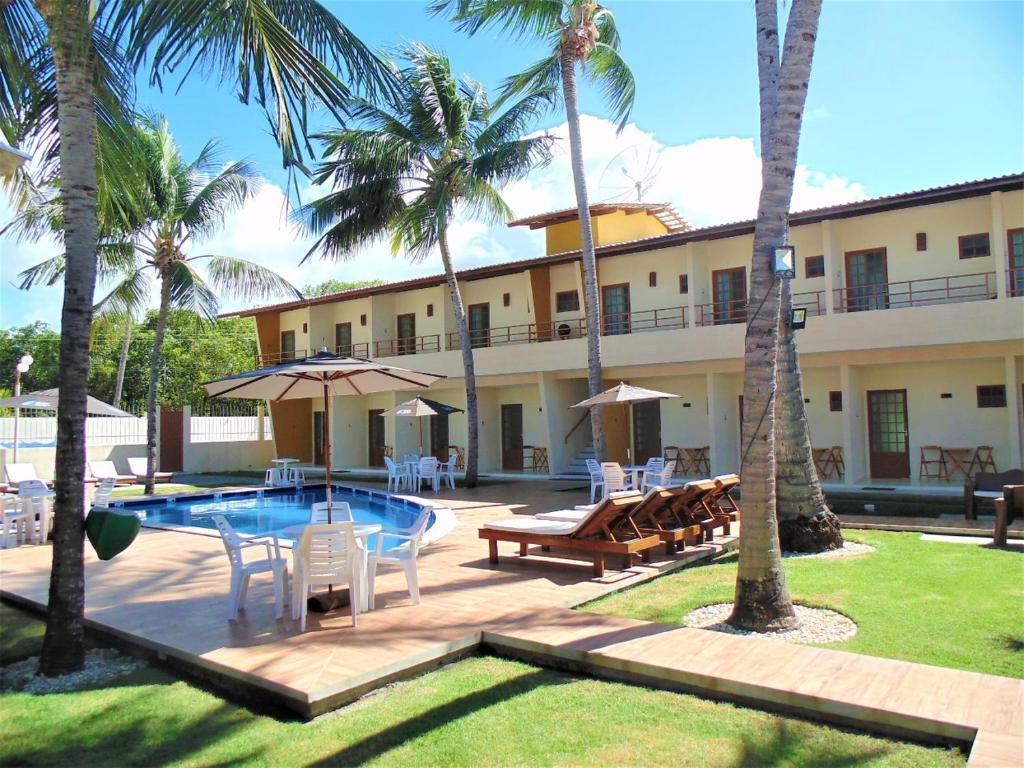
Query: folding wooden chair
(933,463)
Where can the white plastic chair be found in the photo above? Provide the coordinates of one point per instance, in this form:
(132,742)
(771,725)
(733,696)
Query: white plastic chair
(428,470)
(16,520)
(296,476)
(615,478)
(652,468)
(101,496)
(404,555)
(241,571)
(341,512)
(596,480)
(277,477)
(661,479)
(447,470)
(397,476)
(326,555)
(17,473)
(34,495)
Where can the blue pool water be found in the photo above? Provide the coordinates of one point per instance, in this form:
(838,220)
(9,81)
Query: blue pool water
(265,512)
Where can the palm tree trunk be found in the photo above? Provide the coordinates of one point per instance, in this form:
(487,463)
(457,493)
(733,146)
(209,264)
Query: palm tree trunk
(806,524)
(762,601)
(122,363)
(472,411)
(591,303)
(63,645)
(155,359)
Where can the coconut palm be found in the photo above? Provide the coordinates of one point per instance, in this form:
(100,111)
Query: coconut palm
(411,163)
(762,601)
(56,57)
(181,202)
(578,33)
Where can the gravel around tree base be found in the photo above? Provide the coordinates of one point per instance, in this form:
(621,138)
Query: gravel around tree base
(849,549)
(817,625)
(101,666)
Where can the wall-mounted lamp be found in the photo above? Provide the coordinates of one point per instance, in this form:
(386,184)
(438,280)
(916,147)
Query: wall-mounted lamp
(785,261)
(798,318)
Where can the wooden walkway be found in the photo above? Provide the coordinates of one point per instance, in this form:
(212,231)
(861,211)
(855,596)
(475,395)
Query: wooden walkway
(167,593)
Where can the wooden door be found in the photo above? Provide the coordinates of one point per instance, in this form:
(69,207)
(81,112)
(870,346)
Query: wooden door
(646,431)
(318,437)
(729,294)
(867,278)
(407,334)
(480,325)
(376,437)
(288,345)
(172,441)
(512,436)
(615,309)
(1015,254)
(439,436)
(888,433)
(343,339)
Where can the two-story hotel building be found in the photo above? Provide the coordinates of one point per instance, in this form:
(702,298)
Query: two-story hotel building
(914,338)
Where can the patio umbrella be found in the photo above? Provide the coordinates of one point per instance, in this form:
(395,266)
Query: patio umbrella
(621,394)
(46,400)
(322,375)
(419,407)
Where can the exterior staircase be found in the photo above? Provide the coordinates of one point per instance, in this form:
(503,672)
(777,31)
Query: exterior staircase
(578,468)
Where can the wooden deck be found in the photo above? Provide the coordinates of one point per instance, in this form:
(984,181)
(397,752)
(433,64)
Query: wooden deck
(167,593)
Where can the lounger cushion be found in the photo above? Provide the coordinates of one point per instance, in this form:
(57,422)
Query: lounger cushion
(989,494)
(533,525)
(566,515)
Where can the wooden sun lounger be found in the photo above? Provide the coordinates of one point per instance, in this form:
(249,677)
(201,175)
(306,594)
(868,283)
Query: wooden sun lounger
(673,515)
(608,529)
(721,506)
(137,465)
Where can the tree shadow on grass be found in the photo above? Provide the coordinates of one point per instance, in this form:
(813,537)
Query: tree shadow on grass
(401,733)
(1014,643)
(133,730)
(785,745)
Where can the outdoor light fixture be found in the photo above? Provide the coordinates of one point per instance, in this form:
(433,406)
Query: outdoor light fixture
(785,261)
(22,367)
(798,318)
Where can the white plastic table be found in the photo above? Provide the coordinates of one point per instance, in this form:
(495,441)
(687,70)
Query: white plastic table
(636,472)
(361,531)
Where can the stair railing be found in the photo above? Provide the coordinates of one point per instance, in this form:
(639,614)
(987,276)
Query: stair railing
(576,426)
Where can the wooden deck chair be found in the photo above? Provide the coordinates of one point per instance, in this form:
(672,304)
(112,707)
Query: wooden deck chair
(137,466)
(657,515)
(721,506)
(608,528)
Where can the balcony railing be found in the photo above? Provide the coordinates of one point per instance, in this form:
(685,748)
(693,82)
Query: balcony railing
(812,301)
(361,350)
(411,345)
(722,312)
(273,358)
(916,293)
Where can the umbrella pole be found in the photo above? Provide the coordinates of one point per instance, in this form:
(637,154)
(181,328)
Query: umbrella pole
(327,450)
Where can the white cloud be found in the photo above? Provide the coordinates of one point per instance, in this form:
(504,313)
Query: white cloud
(710,181)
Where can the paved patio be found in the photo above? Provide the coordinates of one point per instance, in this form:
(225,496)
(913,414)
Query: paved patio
(167,593)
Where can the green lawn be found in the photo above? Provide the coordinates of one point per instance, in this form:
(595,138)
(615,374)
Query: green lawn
(955,605)
(482,711)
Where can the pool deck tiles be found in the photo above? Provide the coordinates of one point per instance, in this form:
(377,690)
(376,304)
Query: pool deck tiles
(167,593)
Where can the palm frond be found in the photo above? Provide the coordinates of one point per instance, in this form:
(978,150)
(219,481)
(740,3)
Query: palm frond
(544,76)
(607,70)
(189,290)
(513,160)
(244,279)
(516,120)
(520,18)
(351,217)
(226,192)
(484,203)
(47,272)
(128,298)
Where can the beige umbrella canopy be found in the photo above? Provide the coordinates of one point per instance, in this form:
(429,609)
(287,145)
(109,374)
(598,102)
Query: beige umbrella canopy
(621,394)
(46,400)
(322,375)
(419,407)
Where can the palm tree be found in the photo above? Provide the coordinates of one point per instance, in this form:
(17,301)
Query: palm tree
(432,149)
(56,57)
(579,33)
(762,601)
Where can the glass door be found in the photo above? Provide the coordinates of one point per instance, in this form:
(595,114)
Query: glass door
(407,334)
(288,345)
(1015,253)
(512,436)
(480,325)
(615,306)
(867,277)
(343,339)
(439,436)
(729,292)
(888,434)
(646,431)
(376,437)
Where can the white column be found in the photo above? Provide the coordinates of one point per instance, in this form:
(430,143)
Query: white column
(723,424)
(1015,413)
(833,263)
(997,240)
(261,434)
(690,301)
(854,424)
(186,438)
(554,421)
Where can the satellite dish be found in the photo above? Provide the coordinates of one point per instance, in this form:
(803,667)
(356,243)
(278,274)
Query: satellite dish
(630,175)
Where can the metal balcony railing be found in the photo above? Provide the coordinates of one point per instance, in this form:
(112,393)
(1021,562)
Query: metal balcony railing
(949,289)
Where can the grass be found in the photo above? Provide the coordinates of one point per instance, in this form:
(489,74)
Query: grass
(954,605)
(482,711)
(167,488)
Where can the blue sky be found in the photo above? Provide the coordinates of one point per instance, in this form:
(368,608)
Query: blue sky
(904,95)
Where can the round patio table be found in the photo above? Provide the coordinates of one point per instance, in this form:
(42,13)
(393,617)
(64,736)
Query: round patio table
(361,531)
(636,472)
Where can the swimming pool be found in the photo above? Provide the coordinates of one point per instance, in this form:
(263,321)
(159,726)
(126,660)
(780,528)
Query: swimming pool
(272,510)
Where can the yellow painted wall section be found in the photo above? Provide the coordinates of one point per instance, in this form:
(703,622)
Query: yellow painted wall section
(623,226)
(491,292)
(293,320)
(563,237)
